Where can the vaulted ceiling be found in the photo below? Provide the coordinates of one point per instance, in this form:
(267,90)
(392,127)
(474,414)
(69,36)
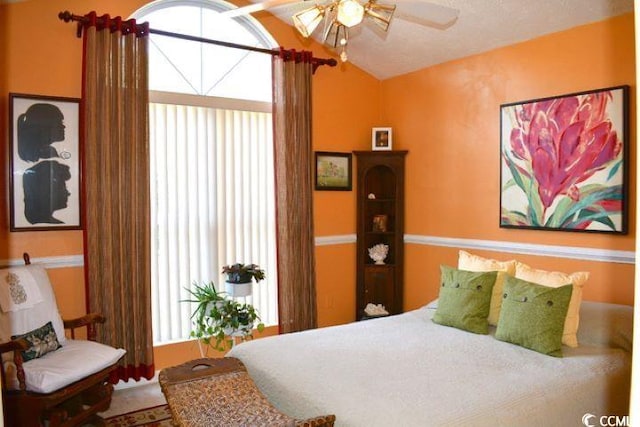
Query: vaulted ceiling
(481,25)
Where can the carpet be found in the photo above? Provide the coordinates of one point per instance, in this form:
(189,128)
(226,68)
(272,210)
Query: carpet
(157,416)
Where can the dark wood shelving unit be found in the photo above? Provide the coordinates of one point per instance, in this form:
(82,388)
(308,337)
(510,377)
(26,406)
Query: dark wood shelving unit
(381,174)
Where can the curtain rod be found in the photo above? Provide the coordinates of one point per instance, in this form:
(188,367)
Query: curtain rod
(67,16)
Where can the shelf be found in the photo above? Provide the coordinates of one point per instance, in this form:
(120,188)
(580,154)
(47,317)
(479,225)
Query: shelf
(380,221)
(386,200)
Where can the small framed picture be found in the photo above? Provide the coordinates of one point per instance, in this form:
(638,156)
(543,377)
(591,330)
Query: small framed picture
(381,139)
(44,141)
(380,223)
(333,171)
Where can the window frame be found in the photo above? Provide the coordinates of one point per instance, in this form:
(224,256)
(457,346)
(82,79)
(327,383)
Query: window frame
(257,30)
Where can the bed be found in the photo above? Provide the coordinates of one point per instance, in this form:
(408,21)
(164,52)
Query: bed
(406,370)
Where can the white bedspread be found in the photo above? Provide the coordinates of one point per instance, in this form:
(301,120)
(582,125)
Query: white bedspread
(405,370)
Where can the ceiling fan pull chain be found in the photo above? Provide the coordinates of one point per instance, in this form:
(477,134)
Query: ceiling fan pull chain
(343,46)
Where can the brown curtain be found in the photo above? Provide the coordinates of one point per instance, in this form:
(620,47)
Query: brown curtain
(292,76)
(116,187)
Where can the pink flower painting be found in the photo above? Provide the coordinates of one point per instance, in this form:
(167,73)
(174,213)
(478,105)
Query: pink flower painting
(562,162)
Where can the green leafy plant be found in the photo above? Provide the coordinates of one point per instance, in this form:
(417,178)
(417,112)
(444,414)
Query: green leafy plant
(218,319)
(241,273)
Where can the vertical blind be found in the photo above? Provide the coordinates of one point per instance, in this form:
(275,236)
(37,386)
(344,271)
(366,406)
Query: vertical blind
(212,204)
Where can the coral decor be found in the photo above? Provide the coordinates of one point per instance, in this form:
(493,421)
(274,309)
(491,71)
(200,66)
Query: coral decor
(563,162)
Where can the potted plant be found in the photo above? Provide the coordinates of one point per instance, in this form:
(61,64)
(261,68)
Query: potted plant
(240,276)
(218,320)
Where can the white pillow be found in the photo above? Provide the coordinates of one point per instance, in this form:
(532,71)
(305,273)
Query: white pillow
(470,262)
(74,361)
(555,279)
(606,325)
(26,320)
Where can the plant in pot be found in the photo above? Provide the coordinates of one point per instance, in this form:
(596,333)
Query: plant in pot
(240,276)
(218,320)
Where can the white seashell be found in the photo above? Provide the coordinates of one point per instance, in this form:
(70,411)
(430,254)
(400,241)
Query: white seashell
(378,253)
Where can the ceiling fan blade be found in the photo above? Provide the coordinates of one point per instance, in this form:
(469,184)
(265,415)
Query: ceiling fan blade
(429,14)
(256,7)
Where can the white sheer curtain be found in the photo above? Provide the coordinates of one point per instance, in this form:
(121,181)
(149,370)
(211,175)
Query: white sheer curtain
(211,203)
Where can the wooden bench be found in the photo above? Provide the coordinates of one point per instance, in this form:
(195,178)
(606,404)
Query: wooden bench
(220,392)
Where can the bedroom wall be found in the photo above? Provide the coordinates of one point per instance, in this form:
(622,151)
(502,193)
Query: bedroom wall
(39,54)
(447,116)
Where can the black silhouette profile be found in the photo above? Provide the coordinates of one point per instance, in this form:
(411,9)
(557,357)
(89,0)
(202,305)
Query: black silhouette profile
(45,191)
(39,127)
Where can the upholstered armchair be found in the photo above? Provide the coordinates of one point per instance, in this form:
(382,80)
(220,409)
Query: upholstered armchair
(48,376)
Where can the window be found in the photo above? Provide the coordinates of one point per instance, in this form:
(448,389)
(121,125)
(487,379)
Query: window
(212,194)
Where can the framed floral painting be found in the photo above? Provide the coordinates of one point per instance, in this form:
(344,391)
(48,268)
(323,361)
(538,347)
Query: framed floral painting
(564,162)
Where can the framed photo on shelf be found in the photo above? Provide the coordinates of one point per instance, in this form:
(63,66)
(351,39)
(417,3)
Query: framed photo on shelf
(44,157)
(380,223)
(333,171)
(381,139)
(564,162)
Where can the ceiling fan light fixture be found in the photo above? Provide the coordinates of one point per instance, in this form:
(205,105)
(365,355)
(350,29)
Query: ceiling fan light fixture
(380,14)
(336,35)
(308,20)
(350,13)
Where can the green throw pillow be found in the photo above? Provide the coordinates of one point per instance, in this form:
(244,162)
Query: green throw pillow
(43,340)
(464,300)
(532,315)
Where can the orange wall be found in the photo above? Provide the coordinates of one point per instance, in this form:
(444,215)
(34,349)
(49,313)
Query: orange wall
(447,116)
(46,60)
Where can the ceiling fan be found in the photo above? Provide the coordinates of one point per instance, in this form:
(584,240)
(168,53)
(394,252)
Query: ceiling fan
(340,15)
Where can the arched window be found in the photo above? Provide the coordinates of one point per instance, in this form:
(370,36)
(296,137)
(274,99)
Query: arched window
(205,69)
(211,158)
